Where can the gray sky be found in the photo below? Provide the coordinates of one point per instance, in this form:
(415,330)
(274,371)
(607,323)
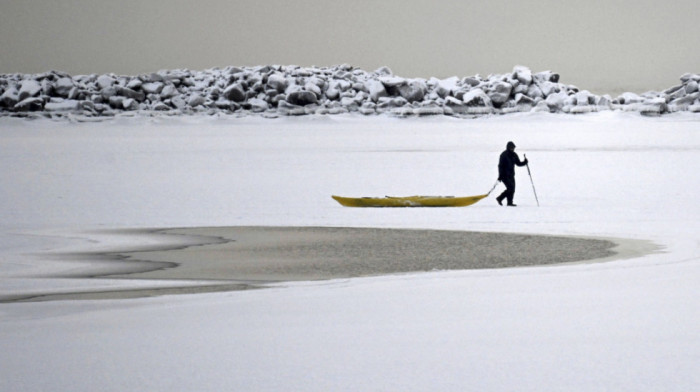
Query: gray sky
(603,46)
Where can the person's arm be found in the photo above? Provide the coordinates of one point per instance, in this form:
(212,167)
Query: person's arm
(517,160)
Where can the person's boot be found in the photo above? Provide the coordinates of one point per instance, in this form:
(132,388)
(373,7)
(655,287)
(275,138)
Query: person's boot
(512,205)
(499,199)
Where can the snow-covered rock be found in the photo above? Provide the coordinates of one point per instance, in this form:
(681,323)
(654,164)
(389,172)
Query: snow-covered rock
(499,93)
(654,107)
(152,87)
(10,97)
(30,104)
(168,91)
(68,105)
(105,81)
(476,97)
(30,88)
(556,101)
(258,105)
(523,74)
(413,91)
(235,92)
(63,86)
(277,82)
(376,90)
(294,90)
(196,100)
(302,98)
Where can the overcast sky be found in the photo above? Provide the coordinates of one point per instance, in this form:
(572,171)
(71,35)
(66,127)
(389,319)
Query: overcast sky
(603,46)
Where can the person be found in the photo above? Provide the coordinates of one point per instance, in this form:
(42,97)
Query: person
(506,173)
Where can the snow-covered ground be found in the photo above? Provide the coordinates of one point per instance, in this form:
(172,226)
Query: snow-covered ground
(626,325)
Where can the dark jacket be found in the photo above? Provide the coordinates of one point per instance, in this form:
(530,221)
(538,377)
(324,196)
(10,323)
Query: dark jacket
(506,164)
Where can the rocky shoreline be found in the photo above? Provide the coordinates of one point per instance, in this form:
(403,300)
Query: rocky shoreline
(274,90)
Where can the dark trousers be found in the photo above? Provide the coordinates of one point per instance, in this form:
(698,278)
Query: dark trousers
(510,190)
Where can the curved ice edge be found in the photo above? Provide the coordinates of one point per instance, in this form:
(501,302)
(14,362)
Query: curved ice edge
(169,241)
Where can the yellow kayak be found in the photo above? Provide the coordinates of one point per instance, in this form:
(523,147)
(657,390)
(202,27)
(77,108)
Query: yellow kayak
(409,201)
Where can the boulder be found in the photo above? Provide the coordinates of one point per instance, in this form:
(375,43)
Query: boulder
(673,89)
(688,77)
(105,81)
(178,102)
(383,71)
(629,98)
(534,91)
(314,88)
(691,87)
(604,101)
(413,91)
(131,94)
(476,97)
(30,104)
(684,102)
(472,81)
(116,102)
(556,101)
(134,84)
(349,103)
(196,100)
(546,76)
(368,108)
(153,77)
(522,74)
(10,97)
(152,87)
(289,109)
(548,88)
(47,87)
(333,93)
(68,105)
(130,104)
(499,93)
(169,91)
(583,98)
(63,86)
(30,88)
(235,93)
(455,106)
(376,90)
(74,93)
(392,81)
(302,98)
(429,108)
(160,106)
(522,99)
(520,89)
(654,107)
(679,93)
(258,105)
(318,81)
(359,86)
(392,84)
(278,82)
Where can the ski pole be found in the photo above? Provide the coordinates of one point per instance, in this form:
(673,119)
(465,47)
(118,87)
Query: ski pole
(531,182)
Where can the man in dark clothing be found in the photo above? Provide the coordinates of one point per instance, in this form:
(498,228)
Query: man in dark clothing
(506,173)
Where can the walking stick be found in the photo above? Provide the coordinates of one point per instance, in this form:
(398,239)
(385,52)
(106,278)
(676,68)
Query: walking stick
(532,182)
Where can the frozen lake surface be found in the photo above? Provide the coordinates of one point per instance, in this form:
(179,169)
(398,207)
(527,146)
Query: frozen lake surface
(620,325)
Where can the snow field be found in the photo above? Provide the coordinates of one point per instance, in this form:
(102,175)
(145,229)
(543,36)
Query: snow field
(626,325)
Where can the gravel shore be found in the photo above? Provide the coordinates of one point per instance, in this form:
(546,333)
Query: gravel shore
(236,258)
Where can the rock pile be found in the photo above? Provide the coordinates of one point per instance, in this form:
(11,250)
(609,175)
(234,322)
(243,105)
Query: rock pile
(291,90)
